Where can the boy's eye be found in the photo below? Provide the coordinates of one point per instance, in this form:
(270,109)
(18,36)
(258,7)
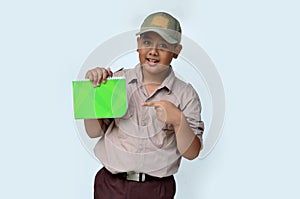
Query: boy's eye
(164,46)
(147,43)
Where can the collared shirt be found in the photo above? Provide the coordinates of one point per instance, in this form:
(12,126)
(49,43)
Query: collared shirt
(139,141)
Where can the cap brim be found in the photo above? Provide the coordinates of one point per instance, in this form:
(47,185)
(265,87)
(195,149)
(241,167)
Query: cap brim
(162,33)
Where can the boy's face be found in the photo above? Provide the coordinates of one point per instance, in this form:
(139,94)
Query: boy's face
(155,53)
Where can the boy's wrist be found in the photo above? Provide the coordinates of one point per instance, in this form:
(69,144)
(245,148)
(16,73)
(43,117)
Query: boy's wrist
(178,121)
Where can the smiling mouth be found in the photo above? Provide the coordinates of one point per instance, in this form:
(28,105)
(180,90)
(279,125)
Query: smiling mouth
(154,61)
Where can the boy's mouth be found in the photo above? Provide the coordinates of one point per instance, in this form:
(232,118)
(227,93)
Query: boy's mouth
(152,61)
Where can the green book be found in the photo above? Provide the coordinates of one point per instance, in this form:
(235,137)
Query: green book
(105,101)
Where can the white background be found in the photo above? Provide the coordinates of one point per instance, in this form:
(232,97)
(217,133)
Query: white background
(254,45)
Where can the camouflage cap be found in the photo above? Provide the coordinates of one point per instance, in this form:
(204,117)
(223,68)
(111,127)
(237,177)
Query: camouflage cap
(163,24)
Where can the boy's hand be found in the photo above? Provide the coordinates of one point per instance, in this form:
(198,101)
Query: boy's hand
(166,112)
(98,75)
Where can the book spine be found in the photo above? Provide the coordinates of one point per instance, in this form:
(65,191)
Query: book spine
(109,78)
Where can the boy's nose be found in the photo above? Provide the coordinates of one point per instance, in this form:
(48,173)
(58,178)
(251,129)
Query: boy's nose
(153,51)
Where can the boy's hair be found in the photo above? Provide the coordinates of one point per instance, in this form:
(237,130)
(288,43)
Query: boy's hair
(163,24)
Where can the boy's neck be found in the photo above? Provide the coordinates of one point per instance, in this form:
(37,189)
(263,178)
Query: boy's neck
(157,79)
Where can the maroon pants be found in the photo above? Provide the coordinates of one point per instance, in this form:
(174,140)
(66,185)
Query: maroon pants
(109,186)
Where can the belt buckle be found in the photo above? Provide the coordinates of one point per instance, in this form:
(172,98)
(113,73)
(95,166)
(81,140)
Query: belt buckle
(133,176)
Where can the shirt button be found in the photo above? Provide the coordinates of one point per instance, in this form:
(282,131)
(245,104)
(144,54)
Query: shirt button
(143,123)
(141,148)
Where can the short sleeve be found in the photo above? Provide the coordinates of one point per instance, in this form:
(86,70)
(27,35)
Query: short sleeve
(191,108)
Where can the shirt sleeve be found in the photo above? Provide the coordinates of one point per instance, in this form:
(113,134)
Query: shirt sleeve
(191,108)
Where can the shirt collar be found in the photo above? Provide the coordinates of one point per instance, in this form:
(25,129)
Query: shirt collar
(135,75)
(169,80)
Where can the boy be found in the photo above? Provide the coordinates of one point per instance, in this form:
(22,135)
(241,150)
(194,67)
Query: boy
(142,150)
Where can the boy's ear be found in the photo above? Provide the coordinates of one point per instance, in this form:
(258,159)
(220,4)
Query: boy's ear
(138,39)
(177,51)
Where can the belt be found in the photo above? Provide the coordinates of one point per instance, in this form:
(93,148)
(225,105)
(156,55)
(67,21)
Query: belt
(134,176)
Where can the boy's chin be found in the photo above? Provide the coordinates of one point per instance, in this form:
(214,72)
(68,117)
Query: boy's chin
(154,65)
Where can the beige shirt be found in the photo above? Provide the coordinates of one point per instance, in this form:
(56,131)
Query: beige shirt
(138,141)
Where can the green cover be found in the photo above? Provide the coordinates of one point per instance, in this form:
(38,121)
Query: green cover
(105,101)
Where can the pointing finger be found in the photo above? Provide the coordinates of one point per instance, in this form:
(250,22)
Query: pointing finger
(155,104)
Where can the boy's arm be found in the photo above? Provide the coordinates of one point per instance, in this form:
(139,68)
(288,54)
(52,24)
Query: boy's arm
(96,127)
(188,143)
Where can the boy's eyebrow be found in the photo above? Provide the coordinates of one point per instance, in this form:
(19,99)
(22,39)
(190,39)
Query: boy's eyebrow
(145,36)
